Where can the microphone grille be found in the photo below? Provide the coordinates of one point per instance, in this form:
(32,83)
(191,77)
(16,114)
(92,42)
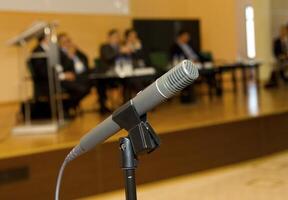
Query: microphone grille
(177,78)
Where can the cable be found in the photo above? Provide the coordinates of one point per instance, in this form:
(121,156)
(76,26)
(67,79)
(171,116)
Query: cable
(59,179)
(71,156)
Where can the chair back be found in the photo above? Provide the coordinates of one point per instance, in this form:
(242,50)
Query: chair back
(40,87)
(206,56)
(159,60)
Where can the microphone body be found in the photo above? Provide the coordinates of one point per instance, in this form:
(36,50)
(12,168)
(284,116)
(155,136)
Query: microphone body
(143,102)
(163,88)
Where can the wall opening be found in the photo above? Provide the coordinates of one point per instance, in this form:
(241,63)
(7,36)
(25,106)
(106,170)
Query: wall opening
(250,32)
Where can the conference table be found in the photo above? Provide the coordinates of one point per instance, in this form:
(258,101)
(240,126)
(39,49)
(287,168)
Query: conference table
(134,73)
(212,74)
(248,70)
(127,77)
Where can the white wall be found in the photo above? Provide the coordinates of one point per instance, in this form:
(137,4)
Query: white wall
(68,6)
(241,28)
(270,16)
(279,12)
(264,35)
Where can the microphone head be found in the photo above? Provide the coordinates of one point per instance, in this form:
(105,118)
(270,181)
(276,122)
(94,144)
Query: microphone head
(177,78)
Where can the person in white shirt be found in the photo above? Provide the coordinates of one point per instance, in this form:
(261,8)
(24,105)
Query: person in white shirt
(74,69)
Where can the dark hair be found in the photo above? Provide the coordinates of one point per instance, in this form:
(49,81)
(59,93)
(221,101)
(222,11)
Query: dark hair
(128,32)
(41,37)
(112,32)
(61,35)
(182,32)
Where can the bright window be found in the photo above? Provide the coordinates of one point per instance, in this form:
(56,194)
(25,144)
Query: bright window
(250,32)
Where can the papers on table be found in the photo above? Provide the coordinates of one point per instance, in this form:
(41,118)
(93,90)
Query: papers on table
(128,71)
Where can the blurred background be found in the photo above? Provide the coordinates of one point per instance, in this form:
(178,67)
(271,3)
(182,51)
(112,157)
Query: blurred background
(67,65)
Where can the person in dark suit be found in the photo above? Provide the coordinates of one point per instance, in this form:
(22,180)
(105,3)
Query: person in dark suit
(136,56)
(280,50)
(109,53)
(182,49)
(112,49)
(38,65)
(74,70)
(40,107)
(71,58)
(133,43)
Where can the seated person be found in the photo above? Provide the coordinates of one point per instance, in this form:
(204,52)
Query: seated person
(280,49)
(181,48)
(71,57)
(74,70)
(109,53)
(39,67)
(133,43)
(112,50)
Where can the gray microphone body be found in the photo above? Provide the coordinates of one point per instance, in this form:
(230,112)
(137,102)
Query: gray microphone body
(162,89)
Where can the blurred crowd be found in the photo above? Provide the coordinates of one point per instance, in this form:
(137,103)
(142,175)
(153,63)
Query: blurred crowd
(73,71)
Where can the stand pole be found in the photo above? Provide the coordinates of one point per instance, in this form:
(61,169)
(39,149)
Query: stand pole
(141,140)
(130,184)
(129,165)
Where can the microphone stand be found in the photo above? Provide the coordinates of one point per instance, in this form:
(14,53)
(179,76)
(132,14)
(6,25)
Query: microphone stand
(141,140)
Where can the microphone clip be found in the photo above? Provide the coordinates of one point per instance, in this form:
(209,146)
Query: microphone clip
(141,134)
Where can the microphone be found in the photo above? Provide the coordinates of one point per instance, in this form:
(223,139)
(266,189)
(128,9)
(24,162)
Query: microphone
(162,89)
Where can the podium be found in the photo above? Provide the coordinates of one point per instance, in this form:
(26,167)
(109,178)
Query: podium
(21,42)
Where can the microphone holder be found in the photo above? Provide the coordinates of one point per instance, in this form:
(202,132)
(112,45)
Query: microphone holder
(141,140)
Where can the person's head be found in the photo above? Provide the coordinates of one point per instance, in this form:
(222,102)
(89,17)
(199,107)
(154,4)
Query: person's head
(131,36)
(183,36)
(114,37)
(42,38)
(64,41)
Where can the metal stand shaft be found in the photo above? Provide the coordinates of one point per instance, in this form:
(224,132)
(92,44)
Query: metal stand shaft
(130,184)
(129,165)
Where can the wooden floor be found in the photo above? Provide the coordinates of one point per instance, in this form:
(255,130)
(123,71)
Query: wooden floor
(210,133)
(261,179)
(167,118)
